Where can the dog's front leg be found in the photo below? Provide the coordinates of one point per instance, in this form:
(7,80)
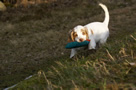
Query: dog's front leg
(92,43)
(73,52)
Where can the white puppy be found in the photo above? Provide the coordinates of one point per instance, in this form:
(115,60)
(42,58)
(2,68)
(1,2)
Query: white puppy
(97,32)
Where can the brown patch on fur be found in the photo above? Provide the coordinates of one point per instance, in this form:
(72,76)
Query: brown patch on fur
(92,32)
(72,36)
(85,32)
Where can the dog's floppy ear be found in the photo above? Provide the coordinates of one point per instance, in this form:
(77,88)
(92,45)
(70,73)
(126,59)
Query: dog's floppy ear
(86,31)
(71,36)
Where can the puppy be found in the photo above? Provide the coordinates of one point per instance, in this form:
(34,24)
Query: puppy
(97,32)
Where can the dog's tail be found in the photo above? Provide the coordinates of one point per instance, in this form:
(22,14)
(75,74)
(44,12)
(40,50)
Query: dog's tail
(106,20)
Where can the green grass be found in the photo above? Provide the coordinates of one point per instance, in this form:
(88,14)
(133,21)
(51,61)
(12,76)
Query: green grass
(33,41)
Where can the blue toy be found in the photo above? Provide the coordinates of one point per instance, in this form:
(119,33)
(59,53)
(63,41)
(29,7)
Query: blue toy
(77,44)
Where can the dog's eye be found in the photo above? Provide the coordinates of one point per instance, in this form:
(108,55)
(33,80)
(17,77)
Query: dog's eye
(83,33)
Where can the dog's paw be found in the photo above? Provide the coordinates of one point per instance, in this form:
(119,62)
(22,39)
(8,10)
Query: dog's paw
(71,56)
(90,47)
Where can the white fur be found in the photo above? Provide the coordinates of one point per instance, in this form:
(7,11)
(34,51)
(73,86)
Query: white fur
(100,32)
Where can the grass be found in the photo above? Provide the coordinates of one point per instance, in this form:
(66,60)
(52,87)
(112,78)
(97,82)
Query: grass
(103,69)
(33,40)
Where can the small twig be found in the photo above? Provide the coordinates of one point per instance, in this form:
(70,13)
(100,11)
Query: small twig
(128,70)
(74,84)
(110,55)
(133,37)
(48,82)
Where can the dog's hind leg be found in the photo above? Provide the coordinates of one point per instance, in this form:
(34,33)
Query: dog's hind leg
(102,41)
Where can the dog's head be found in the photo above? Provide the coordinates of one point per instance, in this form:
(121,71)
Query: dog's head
(79,34)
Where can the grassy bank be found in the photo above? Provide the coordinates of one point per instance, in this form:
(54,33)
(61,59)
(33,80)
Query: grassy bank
(33,40)
(109,67)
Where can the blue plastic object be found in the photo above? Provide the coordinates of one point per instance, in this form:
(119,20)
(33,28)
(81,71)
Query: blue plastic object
(76,44)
